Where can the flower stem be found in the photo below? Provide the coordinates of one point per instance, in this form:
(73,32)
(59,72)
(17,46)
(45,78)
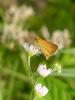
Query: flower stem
(35,98)
(29,60)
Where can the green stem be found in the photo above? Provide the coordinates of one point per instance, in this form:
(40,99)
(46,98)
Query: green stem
(29,61)
(29,67)
(11,84)
(35,98)
(25,64)
(31,95)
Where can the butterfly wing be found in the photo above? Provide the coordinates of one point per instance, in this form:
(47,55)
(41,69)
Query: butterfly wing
(48,48)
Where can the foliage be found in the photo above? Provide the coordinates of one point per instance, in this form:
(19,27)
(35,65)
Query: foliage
(16,78)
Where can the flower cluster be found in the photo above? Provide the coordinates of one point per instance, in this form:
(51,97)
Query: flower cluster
(15,13)
(42,69)
(61,38)
(44,72)
(13,27)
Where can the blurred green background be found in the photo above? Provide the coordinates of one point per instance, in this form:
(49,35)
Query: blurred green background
(15,83)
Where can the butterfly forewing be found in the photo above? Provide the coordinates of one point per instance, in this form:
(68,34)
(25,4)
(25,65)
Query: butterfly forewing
(48,48)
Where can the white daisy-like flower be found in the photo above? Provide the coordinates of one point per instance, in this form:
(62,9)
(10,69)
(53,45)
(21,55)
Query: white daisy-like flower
(41,90)
(58,68)
(32,49)
(43,71)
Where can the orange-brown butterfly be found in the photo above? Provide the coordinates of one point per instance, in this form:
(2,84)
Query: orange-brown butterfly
(48,48)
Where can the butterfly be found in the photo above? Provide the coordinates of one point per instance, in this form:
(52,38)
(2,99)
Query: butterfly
(47,48)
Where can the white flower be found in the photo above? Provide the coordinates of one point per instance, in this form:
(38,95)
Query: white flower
(41,90)
(45,33)
(32,49)
(67,38)
(28,12)
(58,38)
(58,68)
(11,10)
(16,14)
(61,38)
(8,31)
(22,13)
(43,71)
